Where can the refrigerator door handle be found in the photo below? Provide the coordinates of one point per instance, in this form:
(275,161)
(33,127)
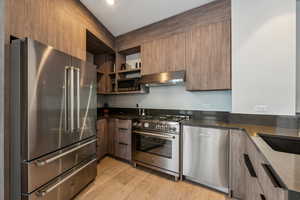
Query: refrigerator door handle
(47,189)
(78,98)
(41,163)
(72,99)
(66,94)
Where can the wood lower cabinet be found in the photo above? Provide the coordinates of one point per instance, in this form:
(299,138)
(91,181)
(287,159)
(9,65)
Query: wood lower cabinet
(250,174)
(164,54)
(102,136)
(237,169)
(265,174)
(208,57)
(123,140)
(253,190)
(112,128)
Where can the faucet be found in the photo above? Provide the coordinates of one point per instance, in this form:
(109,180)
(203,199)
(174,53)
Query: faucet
(143,112)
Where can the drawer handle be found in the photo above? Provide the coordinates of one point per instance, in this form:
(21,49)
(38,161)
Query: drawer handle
(49,188)
(249,165)
(121,143)
(275,181)
(262,197)
(123,129)
(40,163)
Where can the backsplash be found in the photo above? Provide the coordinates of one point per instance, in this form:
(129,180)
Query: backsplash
(172,97)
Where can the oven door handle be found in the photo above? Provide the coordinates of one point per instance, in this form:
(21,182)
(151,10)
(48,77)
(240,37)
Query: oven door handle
(155,135)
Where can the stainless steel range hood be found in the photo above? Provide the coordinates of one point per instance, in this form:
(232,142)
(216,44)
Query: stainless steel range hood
(165,78)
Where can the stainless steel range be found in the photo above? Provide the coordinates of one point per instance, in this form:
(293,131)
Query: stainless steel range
(156,143)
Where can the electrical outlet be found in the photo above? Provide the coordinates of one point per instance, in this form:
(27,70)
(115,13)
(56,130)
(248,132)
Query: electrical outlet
(261,108)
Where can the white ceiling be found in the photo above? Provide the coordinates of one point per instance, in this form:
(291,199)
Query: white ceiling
(128,15)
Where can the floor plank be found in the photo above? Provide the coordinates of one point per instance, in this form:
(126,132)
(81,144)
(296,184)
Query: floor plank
(120,181)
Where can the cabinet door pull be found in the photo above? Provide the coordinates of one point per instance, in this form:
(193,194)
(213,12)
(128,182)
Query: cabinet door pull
(121,143)
(262,197)
(123,129)
(249,166)
(275,181)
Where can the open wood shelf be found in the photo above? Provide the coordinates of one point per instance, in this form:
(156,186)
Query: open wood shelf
(112,73)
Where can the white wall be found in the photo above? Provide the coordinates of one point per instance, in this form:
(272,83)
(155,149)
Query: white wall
(264,57)
(173,97)
(298,58)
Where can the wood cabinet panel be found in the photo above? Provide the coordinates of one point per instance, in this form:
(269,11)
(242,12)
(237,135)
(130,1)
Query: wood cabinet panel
(270,191)
(124,124)
(124,136)
(123,151)
(173,53)
(164,54)
(207,14)
(208,57)
(102,136)
(237,168)
(123,140)
(112,123)
(151,59)
(59,23)
(253,190)
(104,63)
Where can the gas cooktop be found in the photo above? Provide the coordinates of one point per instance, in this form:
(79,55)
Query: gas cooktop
(162,123)
(166,118)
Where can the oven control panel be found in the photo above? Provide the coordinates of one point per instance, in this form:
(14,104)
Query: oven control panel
(160,126)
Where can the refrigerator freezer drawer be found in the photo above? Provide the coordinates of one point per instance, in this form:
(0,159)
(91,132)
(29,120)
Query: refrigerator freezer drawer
(38,172)
(68,185)
(206,156)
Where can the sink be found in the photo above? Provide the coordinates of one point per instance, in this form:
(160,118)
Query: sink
(284,144)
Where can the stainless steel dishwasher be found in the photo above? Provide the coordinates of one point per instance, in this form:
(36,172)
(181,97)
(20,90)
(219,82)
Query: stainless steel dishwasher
(206,157)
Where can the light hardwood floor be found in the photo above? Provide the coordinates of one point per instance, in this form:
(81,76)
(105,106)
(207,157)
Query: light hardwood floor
(120,181)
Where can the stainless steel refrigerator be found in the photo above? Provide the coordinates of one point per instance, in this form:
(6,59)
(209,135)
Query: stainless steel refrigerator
(53,106)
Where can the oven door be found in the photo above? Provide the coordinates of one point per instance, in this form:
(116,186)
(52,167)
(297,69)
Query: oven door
(157,150)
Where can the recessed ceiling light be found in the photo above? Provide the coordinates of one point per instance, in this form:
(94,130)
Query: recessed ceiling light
(110,2)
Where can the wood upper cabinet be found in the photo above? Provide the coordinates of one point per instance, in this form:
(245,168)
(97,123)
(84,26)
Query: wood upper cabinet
(208,57)
(59,23)
(164,55)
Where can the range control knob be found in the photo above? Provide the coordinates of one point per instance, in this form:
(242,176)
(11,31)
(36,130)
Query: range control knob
(173,129)
(146,125)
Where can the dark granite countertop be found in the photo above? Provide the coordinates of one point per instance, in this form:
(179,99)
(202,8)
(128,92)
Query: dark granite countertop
(287,166)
